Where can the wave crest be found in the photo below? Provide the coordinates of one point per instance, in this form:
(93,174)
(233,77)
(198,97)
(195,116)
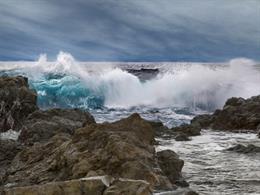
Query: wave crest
(68,83)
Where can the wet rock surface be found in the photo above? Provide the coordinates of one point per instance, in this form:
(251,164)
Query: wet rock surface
(17,101)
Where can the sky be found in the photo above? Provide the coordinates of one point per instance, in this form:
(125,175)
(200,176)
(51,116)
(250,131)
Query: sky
(130,30)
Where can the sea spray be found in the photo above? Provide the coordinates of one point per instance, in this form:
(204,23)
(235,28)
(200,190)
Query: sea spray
(68,83)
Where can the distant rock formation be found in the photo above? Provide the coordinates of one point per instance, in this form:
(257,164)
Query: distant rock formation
(144,73)
(237,115)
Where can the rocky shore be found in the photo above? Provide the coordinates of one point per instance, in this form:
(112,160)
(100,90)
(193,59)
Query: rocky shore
(237,115)
(64,151)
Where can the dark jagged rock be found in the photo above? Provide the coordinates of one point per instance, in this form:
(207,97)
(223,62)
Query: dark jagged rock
(17,101)
(120,149)
(144,73)
(172,165)
(42,125)
(245,149)
(238,114)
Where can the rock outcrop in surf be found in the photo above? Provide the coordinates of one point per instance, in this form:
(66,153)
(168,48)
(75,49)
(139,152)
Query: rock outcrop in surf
(238,114)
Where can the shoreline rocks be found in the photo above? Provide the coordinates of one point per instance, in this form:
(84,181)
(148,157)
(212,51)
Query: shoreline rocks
(122,149)
(58,147)
(237,115)
(101,185)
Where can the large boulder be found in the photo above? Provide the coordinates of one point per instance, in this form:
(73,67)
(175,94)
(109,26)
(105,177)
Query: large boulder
(42,125)
(171,165)
(122,149)
(17,101)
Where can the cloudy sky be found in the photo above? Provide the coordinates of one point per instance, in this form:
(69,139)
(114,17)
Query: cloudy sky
(130,30)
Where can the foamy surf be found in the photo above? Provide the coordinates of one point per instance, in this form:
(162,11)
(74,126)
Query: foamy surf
(67,82)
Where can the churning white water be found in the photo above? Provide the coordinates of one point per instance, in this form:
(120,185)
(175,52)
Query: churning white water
(196,85)
(211,170)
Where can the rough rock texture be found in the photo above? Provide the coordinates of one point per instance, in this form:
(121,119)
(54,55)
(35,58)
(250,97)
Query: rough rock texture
(8,150)
(245,149)
(171,165)
(121,149)
(129,187)
(42,125)
(102,185)
(17,101)
(237,114)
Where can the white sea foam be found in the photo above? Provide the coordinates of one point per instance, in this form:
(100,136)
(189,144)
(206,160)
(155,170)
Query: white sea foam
(10,134)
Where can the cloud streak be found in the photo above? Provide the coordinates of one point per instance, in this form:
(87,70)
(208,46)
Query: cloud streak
(136,30)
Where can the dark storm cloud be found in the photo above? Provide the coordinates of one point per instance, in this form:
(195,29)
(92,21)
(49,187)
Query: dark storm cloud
(136,30)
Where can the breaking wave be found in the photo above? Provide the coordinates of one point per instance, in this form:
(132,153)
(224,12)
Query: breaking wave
(68,83)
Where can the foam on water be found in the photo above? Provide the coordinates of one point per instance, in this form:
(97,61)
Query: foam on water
(210,169)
